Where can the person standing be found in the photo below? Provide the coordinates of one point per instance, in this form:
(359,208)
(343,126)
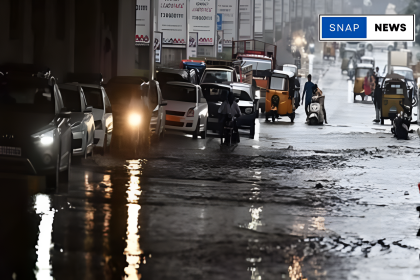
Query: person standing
(367,86)
(377,97)
(308,90)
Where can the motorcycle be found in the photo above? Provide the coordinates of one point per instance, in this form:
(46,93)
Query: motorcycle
(230,133)
(316,112)
(401,124)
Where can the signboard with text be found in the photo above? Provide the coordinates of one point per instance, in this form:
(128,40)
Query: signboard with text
(142,22)
(228,9)
(172,21)
(202,20)
(158,46)
(246,20)
(192,44)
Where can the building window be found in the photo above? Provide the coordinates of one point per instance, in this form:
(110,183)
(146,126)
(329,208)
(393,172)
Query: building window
(14,20)
(60,19)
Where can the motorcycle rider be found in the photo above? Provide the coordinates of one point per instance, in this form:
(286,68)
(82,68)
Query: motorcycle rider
(318,93)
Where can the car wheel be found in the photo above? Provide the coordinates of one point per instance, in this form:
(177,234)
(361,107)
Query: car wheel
(197,130)
(203,133)
(370,48)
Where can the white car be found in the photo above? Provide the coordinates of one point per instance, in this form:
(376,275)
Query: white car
(187,109)
(219,74)
(382,45)
(81,120)
(97,98)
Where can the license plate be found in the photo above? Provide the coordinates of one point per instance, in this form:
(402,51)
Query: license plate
(10,151)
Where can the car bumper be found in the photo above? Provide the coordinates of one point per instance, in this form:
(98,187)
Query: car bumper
(187,124)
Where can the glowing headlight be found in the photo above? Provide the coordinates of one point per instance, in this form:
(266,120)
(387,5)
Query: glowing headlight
(311,45)
(134,119)
(46,137)
(298,41)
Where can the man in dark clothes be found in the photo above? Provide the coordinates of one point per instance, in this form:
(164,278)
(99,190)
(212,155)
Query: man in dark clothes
(377,97)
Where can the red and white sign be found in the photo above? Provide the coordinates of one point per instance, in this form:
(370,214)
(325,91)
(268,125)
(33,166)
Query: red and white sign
(172,21)
(203,20)
(142,22)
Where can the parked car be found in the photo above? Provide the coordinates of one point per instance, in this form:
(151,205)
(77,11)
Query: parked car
(35,133)
(247,98)
(97,98)
(382,45)
(138,112)
(187,109)
(359,47)
(219,74)
(81,120)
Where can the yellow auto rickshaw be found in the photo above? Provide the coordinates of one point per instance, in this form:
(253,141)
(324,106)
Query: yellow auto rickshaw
(329,50)
(367,60)
(347,55)
(278,101)
(394,95)
(361,71)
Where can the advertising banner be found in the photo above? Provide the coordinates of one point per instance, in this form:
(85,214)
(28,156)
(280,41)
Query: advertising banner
(246,19)
(142,22)
(202,20)
(192,45)
(172,21)
(278,14)
(286,10)
(228,9)
(269,14)
(219,41)
(259,5)
(158,46)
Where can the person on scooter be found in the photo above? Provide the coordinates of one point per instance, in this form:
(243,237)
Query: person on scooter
(318,92)
(308,90)
(229,110)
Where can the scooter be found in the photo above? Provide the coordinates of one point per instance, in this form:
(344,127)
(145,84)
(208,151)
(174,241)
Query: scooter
(401,124)
(316,112)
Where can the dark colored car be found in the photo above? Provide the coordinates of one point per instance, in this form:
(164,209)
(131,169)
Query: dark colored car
(35,134)
(138,112)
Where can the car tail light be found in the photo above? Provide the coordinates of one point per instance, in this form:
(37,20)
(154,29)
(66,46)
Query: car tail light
(190,112)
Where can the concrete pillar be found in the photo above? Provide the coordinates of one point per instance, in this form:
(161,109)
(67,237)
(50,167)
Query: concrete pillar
(126,37)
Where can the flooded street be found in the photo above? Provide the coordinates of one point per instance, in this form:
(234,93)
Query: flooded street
(298,202)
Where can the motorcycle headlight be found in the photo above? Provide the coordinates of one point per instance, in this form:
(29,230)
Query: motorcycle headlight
(45,137)
(190,112)
(134,119)
(248,111)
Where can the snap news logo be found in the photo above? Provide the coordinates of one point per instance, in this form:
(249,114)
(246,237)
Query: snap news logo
(366,28)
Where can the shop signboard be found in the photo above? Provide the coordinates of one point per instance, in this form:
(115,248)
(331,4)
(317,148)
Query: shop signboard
(172,21)
(142,22)
(259,6)
(268,15)
(203,20)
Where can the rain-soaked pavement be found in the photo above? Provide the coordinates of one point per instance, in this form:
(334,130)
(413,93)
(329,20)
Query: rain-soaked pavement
(325,202)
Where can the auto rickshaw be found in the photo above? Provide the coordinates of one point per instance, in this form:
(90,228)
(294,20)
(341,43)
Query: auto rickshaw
(329,50)
(277,100)
(367,60)
(362,70)
(348,54)
(394,95)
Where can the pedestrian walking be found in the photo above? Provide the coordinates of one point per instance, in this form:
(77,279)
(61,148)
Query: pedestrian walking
(377,97)
(308,90)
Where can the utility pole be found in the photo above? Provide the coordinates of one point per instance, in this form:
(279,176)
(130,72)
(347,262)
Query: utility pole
(152,41)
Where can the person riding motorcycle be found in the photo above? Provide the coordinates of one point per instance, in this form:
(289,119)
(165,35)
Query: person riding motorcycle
(229,112)
(317,92)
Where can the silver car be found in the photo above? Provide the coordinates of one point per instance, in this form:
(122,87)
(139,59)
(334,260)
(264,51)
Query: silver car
(81,121)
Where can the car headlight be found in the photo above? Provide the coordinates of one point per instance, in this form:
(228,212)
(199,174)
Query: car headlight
(248,111)
(190,112)
(45,137)
(134,119)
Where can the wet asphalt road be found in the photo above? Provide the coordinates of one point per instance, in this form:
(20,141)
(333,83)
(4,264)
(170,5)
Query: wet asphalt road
(325,202)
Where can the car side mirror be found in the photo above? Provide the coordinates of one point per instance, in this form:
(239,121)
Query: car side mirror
(164,103)
(88,109)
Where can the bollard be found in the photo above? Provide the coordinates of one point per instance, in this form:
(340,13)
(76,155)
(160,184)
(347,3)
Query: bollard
(350,95)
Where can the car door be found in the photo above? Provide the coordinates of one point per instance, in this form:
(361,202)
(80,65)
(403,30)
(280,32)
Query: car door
(202,105)
(63,130)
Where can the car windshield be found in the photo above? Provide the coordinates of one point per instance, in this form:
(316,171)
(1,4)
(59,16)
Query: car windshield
(278,83)
(362,72)
(94,97)
(405,73)
(242,95)
(258,64)
(179,93)
(368,61)
(71,100)
(348,55)
(214,94)
(217,76)
(21,97)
